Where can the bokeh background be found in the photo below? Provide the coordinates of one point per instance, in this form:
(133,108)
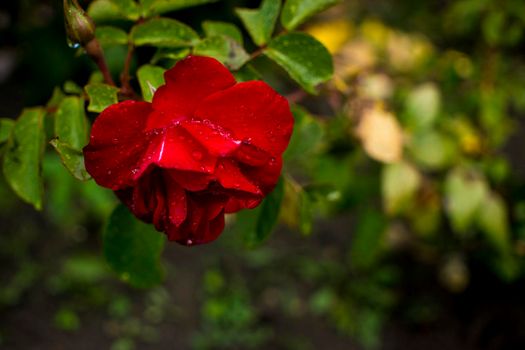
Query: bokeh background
(403,223)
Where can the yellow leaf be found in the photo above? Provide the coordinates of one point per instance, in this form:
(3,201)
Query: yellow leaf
(381,135)
(332,34)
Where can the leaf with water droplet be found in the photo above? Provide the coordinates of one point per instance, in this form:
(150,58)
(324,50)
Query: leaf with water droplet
(133,248)
(306,60)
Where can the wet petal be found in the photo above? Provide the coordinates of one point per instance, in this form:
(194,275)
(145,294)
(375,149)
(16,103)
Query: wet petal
(205,221)
(230,177)
(190,180)
(253,113)
(216,140)
(175,148)
(187,84)
(266,176)
(115,153)
(177,203)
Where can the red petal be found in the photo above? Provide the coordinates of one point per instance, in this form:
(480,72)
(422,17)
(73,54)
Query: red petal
(266,176)
(230,177)
(216,140)
(177,204)
(205,221)
(114,155)
(187,84)
(236,204)
(190,180)
(253,112)
(175,148)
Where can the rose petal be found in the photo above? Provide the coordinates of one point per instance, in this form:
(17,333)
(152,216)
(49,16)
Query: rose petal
(253,113)
(187,84)
(175,148)
(190,180)
(114,155)
(266,176)
(236,204)
(177,204)
(230,177)
(201,225)
(216,140)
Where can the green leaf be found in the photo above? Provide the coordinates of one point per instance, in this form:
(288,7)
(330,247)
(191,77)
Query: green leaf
(73,159)
(307,136)
(224,49)
(55,99)
(108,35)
(6,125)
(247,73)
(70,87)
(133,248)
(71,123)
(173,54)
(150,78)
(423,105)
(23,157)
(101,96)
(258,223)
(400,182)
(432,149)
(163,32)
(493,221)
(214,28)
(306,60)
(296,12)
(260,22)
(465,191)
(157,7)
(106,10)
(367,242)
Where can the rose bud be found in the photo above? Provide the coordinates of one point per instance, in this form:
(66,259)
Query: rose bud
(80,28)
(206,146)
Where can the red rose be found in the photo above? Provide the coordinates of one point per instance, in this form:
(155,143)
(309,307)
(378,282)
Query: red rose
(204,147)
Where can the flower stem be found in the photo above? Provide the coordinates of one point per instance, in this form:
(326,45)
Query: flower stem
(94,50)
(126,89)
